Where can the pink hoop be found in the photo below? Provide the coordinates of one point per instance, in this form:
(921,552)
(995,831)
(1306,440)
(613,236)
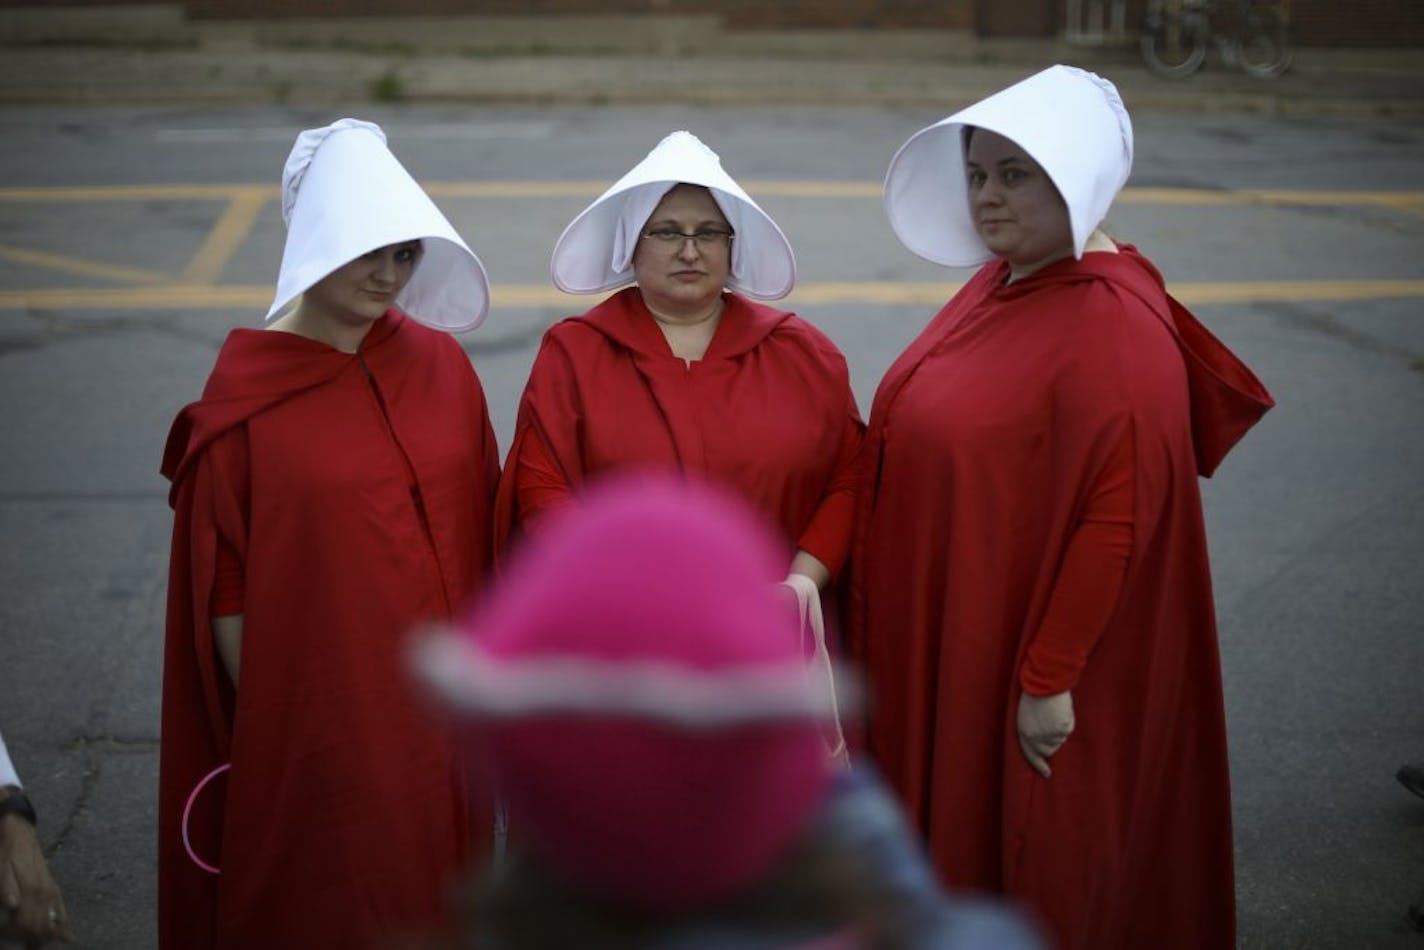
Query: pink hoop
(192,797)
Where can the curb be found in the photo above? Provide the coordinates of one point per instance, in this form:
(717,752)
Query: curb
(126,75)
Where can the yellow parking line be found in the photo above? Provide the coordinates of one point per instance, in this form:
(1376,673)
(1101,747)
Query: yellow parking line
(135,193)
(1297,290)
(250,298)
(1412,205)
(1398,200)
(75,265)
(815,189)
(1405,200)
(515,189)
(930,294)
(225,238)
(884,292)
(166,297)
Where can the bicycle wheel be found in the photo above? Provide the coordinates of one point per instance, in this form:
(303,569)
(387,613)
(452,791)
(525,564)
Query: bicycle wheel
(1263,44)
(1174,38)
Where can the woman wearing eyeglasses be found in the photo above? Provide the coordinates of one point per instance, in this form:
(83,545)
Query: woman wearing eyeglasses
(683,372)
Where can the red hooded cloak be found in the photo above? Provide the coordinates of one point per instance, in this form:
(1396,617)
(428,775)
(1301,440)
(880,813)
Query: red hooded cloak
(356,491)
(988,440)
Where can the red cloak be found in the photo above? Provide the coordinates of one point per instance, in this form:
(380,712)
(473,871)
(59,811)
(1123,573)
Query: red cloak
(768,412)
(356,489)
(987,438)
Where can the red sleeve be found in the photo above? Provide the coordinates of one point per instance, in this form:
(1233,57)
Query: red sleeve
(827,537)
(540,477)
(227,459)
(539,481)
(1089,581)
(229,582)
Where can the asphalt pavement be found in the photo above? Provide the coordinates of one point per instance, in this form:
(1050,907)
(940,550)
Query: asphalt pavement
(137,226)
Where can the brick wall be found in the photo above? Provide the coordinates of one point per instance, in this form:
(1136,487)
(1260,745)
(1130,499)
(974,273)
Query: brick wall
(1343,23)
(1337,23)
(845,14)
(737,14)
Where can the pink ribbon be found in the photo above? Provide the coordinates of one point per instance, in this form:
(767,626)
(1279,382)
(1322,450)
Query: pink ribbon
(188,808)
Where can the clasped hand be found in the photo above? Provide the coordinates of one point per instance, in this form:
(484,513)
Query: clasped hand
(1044,724)
(31,909)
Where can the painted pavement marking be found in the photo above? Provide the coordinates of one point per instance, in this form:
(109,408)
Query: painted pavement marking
(813,293)
(243,204)
(74,265)
(1403,200)
(225,238)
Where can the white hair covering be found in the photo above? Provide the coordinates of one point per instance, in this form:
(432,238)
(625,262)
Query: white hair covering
(1070,121)
(343,195)
(595,252)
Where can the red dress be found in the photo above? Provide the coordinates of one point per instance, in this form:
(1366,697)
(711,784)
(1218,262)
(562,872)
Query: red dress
(1030,519)
(768,412)
(356,491)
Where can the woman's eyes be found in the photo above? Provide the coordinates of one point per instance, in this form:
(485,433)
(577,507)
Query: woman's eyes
(1009,176)
(402,255)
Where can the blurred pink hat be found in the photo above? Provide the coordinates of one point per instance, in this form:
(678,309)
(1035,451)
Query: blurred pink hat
(637,694)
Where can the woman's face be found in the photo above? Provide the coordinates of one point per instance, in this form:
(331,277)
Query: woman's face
(683,276)
(1016,210)
(364,288)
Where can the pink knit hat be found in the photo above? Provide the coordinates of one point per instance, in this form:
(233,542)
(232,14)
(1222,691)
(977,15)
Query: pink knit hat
(637,694)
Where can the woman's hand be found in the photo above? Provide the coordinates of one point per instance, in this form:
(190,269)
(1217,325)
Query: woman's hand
(1044,723)
(31,908)
(808,565)
(227,634)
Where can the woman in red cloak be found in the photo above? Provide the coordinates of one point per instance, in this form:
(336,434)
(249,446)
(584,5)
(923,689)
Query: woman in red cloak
(683,373)
(332,489)
(1031,600)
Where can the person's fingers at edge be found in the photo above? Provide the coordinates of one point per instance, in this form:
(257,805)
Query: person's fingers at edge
(9,887)
(1036,761)
(33,923)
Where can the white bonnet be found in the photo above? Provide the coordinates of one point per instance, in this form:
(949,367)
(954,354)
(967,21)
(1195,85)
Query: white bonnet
(1070,121)
(344,194)
(595,252)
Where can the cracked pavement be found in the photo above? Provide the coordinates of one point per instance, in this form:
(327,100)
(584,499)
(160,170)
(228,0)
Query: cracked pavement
(1300,238)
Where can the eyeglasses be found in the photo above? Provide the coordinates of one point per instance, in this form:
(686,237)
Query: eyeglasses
(703,238)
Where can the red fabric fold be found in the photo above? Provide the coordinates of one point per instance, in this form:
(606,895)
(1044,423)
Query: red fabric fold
(1226,397)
